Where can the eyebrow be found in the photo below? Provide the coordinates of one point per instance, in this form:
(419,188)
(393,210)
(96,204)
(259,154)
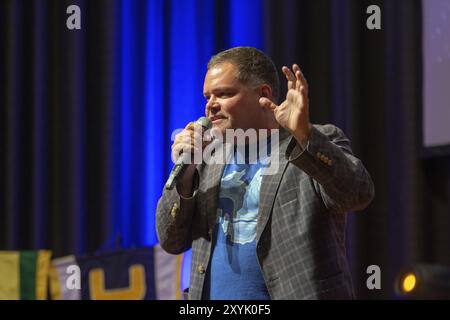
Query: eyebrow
(221,88)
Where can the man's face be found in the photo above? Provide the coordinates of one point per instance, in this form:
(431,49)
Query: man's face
(230,103)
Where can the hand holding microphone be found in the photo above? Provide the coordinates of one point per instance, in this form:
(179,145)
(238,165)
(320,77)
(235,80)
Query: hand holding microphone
(183,148)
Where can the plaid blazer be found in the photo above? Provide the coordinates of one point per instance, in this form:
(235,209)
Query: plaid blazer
(300,236)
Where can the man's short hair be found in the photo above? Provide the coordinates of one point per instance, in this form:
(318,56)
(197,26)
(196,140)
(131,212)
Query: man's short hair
(254,67)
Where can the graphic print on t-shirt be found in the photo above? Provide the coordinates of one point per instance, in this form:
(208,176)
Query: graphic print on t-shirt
(239,198)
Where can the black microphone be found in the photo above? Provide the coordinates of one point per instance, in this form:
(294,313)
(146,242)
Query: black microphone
(183,161)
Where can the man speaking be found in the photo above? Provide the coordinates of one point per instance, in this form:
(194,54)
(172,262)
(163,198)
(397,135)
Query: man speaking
(258,235)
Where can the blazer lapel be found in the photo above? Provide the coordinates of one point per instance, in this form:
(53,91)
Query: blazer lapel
(268,189)
(212,190)
(271,182)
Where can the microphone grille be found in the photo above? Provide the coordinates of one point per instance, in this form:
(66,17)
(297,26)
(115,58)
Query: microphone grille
(204,122)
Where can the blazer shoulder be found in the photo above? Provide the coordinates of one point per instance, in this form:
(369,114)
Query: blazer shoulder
(330,130)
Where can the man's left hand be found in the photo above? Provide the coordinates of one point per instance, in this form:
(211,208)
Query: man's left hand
(293,113)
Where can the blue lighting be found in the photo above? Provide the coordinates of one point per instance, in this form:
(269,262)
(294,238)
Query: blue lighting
(162,48)
(125,118)
(156,143)
(191,45)
(246,23)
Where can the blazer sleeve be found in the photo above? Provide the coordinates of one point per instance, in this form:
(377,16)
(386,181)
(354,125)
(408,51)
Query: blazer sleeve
(340,178)
(174,216)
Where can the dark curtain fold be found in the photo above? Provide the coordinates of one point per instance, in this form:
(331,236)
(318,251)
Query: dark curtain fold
(57,121)
(55,126)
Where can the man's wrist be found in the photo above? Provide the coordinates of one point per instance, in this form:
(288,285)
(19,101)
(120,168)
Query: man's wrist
(189,183)
(302,136)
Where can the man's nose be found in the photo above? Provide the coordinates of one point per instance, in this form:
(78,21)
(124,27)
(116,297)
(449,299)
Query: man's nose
(212,106)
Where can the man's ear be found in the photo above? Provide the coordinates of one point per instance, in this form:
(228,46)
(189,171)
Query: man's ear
(266,91)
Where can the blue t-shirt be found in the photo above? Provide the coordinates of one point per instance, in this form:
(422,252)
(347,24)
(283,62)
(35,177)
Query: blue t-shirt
(234,271)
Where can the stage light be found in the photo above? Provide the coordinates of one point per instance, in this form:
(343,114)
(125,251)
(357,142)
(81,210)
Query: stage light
(408,282)
(424,281)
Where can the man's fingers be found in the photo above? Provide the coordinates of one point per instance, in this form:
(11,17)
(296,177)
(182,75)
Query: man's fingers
(189,140)
(183,137)
(290,77)
(183,147)
(176,151)
(264,102)
(188,137)
(189,126)
(301,80)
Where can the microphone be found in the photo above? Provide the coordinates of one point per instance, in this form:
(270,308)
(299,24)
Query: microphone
(183,161)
